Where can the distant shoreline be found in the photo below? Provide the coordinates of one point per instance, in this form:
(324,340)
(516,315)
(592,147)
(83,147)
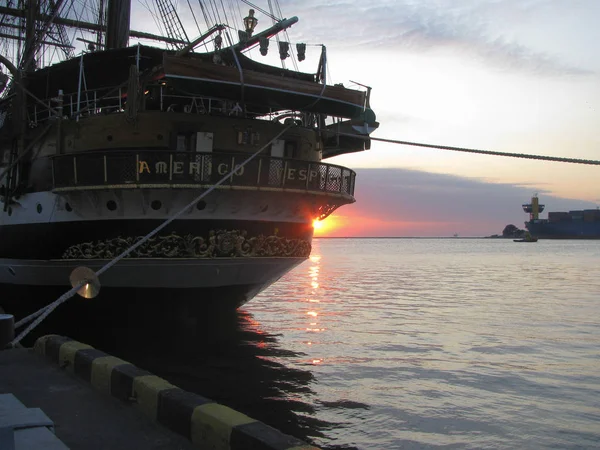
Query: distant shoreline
(408,237)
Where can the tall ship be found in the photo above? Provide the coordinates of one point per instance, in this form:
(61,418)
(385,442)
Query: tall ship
(581,224)
(103,138)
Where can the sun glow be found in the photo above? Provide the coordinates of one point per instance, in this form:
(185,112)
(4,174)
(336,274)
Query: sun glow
(324,227)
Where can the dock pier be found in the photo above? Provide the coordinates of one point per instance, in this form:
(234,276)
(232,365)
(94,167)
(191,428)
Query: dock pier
(83,398)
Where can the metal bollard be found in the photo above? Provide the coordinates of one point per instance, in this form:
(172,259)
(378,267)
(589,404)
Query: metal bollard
(7,330)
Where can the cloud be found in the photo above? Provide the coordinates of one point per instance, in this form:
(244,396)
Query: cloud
(402,202)
(480,29)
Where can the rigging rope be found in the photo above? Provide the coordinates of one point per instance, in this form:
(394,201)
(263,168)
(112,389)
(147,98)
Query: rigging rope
(45,311)
(207,22)
(194,16)
(266,13)
(225,13)
(481,152)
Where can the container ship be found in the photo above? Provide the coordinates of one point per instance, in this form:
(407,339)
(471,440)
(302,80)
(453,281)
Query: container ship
(580,224)
(102,139)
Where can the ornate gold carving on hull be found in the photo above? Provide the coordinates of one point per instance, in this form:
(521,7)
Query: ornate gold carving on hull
(220,243)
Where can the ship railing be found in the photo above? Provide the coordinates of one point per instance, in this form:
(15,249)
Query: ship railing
(74,105)
(92,102)
(159,168)
(166,101)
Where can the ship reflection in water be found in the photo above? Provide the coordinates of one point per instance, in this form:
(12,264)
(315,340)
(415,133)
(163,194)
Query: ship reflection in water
(232,361)
(237,358)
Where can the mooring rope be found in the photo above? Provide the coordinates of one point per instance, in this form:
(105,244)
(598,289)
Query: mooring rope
(481,152)
(42,313)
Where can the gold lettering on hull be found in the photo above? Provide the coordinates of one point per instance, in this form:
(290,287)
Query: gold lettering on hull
(177,167)
(161,167)
(223,168)
(144,167)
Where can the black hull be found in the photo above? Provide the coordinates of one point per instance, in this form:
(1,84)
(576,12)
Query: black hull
(52,240)
(147,311)
(190,273)
(567,237)
(564,230)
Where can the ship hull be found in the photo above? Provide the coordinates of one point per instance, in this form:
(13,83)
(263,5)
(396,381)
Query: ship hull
(150,293)
(147,311)
(151,273)
(210,261)
(564,230)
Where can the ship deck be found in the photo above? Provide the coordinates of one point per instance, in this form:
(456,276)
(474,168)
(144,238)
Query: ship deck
(83,417)
(92,400)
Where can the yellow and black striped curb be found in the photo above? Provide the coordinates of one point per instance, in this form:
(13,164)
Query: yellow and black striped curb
(206,423)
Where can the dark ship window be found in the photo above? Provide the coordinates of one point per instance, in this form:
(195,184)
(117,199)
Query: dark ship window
(156,205)
(290,149)
(39,208)
(159,137)
(200,205)
(184,141)
(181,144)
(111,205)
(109,138)
(68,207)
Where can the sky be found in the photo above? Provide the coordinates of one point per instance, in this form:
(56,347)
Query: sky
(506,75)
(408,202)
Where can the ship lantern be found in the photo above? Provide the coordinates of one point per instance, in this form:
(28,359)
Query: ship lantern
(301,49)
(250,22)
(284,48)
(264,46)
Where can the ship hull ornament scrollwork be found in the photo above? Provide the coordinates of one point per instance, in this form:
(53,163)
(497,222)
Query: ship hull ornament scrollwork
(220,244)
(98,149)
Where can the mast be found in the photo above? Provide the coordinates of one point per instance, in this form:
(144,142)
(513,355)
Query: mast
(33,12)
(101,18)
(117,23)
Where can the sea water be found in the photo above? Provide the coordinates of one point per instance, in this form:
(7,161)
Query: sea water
(426,343)
(406,344)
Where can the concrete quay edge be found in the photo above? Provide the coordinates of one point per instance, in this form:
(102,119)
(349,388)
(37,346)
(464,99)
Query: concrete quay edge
(205,423)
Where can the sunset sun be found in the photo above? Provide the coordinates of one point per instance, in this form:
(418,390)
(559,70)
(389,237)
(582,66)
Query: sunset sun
(324,227)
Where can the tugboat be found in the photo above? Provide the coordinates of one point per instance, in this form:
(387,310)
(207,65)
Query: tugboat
(527,238)
(101,147)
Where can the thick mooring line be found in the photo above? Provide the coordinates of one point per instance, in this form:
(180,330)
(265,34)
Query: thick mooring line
(592,162)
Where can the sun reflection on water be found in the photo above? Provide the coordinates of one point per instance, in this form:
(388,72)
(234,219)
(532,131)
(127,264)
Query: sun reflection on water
(313,311)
